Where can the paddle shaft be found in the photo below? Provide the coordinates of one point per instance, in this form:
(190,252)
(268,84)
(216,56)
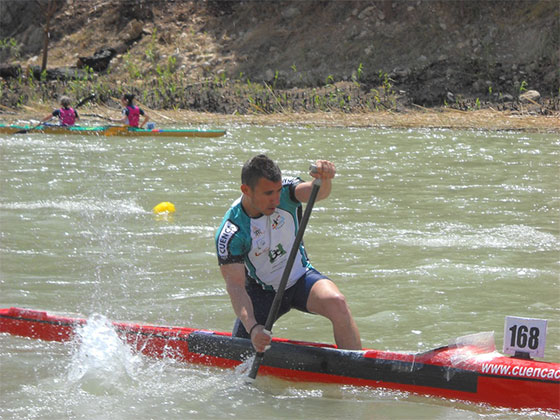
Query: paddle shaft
(26,130)
(79,104)
(98,116)
(273,313)
(86,99)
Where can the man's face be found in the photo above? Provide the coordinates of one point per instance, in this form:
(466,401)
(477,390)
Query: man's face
(263,199)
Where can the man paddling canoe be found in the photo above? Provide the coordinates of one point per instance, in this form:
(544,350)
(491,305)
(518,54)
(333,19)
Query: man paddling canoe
(253,244)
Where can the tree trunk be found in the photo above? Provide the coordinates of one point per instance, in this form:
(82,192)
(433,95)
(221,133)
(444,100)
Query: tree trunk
(388,10)
(51,7)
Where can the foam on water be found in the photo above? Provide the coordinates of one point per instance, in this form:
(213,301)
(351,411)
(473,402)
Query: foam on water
(452,235)
(101,363)
(79,205)
(430,234)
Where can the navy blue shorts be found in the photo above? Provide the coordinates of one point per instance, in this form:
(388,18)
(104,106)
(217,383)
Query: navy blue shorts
(294,297)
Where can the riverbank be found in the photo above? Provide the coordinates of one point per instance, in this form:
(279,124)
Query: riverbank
(445,118)
(480,65)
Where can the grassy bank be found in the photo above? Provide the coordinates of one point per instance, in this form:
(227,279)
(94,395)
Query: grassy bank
(486,119)
(171,101)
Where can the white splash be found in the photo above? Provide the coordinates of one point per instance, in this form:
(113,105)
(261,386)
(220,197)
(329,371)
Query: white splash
(244,368)
(102,363)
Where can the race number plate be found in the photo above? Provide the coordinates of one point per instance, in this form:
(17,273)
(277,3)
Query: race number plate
(525,335)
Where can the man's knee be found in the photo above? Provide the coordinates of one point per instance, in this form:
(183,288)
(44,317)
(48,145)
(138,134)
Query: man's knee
(337,303)
(333,305)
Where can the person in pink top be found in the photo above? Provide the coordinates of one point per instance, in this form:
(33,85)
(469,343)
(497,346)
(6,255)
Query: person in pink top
(66,115)
(132,113)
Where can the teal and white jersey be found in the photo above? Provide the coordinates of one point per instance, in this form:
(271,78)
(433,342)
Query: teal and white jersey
(264,243)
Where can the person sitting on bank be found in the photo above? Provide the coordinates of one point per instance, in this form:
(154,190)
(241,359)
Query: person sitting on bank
(132,113)
(67,116)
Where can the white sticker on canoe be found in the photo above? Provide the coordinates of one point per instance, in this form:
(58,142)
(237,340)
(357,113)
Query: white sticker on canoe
(525,335)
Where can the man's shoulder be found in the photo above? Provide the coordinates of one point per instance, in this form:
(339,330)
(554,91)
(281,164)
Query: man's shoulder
(289,185)
(235,215)
(233,235)
(235,211)
(291,181)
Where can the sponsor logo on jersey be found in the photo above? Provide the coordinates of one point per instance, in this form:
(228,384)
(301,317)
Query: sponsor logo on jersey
(228,230)
(273,254)
(261,247)
(278,221)
(257,231)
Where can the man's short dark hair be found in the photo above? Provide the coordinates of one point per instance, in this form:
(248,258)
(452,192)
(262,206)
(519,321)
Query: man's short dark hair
(261,166)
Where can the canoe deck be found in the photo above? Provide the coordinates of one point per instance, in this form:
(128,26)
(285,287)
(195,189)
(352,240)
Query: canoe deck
(119,131)
(469,373)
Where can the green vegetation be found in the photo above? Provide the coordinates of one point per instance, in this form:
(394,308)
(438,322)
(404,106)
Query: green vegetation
(9,49)
(158,83)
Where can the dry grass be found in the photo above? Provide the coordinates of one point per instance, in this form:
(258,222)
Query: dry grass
(487,119)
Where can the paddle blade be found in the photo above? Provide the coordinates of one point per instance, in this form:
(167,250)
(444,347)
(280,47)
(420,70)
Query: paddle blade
(255,366)
(86,99)
(27,130)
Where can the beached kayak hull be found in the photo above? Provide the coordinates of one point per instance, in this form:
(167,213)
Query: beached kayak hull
(120,131)
(466,373)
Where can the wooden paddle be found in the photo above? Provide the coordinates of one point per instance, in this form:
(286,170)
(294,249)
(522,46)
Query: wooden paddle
(98,116)
(273,313)
(79,104)
(27,130)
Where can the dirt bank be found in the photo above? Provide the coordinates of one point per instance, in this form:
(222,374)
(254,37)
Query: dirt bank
(486,119)
(336,60)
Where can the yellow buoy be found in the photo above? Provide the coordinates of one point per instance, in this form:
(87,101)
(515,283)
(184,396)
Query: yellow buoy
(164,207)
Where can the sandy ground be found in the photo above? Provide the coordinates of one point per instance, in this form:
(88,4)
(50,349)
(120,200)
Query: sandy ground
(486,119)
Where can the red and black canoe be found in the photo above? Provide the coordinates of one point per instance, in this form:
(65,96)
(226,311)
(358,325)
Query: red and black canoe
(464,372)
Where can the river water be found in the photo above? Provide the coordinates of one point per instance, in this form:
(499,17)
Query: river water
(430,234)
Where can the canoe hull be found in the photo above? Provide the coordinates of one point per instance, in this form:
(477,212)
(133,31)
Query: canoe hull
(466,373)
(118,131)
